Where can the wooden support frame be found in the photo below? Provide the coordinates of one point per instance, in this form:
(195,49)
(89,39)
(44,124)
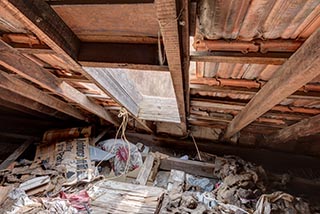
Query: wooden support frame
(15,85)
(28,106)
(21,65)
(236,57)
(301,68)
(168,21)
(6,163)
(303,128)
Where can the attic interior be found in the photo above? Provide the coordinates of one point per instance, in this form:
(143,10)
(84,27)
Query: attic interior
(202,78)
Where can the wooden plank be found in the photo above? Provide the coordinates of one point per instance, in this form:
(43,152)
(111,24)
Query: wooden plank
(28,106)
(301,68)
(236,57)
(116,84)
(159,109)
(21,65)
(84,2)
(188,166)
(119,197)
(306,127)
(41,19)
(145,170)
(15,154)
(204,90)
(139,54)
(19,87)
(167,16)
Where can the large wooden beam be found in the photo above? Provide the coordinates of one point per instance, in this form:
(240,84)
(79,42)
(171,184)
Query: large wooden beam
(301,68)
(168,21)
(19,87)
(21,65)
(236,57)
(41,19)
(6,163)
(23,104)
(303,128)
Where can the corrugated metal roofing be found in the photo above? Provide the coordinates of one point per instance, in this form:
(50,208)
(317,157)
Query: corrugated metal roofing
(265,19)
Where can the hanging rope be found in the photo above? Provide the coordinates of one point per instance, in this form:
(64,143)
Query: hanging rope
(122,128)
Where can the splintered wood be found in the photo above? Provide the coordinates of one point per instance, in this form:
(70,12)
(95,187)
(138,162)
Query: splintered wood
(119,197)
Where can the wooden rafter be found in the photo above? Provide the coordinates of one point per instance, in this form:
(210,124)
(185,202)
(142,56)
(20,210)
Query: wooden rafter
(168,20)
(24,89)
(236,57)
(21,65)
(20,103)
(301,68)
(303,128)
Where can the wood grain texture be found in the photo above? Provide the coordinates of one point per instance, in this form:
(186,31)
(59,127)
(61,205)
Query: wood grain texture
(168,20)
(300,129)
(15,154)
(301,68)
(119,197)
(145,170)
(31,71)
(24,89)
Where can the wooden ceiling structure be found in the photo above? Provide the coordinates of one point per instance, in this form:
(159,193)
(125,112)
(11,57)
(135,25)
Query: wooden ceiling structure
(251,75)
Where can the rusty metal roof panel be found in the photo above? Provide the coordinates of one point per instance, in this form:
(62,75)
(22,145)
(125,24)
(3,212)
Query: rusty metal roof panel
(237,71)
(252,19)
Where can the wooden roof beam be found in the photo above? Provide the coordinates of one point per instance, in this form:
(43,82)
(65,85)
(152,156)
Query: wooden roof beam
(301,68)
(24,89)
(21,65)
(237,57)
(168,20)
(306,127)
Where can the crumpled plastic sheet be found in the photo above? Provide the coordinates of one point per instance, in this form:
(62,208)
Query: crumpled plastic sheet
(203,184)
(281,202)
(57,205)
(120,149)
(23,202)
(79,200)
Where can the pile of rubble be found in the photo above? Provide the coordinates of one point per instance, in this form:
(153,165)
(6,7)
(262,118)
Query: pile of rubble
(115,176)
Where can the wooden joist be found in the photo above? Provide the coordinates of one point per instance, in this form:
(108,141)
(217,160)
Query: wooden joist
(188,166)
(24,89)
(6,163)
(21,65)
(168,21)
(207,90)
(28,106)
(236,57)
(301,68)
(303,128)
(119,55)
(41,19)
(85,2)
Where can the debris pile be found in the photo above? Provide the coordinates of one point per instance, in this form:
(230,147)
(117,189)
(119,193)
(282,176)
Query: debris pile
(70,175)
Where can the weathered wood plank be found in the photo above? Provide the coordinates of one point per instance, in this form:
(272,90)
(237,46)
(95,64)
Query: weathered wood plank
(301,68)
(168,20)
(14,61)
(235,57)
(117,85)
(119,197)
(15,154)
(303,128)
(145,170)
(41,19)
(19,87)
(28,106)
(188,166)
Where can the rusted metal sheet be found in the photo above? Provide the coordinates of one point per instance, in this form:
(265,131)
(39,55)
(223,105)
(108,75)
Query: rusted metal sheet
(252,19)
(93,22)
(237,71)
